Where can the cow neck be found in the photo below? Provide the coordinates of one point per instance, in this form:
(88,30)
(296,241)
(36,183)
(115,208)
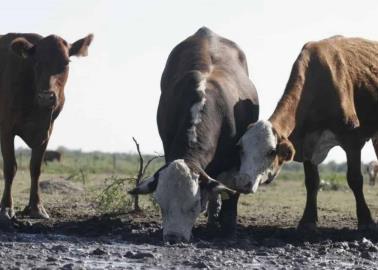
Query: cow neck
(194,157)
(293,105)
(45,118)
(292,109)
(283,119)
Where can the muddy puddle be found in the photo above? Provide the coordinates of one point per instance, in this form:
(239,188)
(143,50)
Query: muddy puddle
(124,242)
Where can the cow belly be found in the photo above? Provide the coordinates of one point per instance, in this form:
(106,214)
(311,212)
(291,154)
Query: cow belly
(318,144)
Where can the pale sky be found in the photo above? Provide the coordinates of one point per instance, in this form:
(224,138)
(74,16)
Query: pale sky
(113,94)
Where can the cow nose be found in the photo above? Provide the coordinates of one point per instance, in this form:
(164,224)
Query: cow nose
(173,238)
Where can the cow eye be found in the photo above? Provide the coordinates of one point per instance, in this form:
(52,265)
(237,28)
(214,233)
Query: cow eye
(272,153)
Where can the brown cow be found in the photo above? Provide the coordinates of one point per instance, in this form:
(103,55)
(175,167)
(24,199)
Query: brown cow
(33,73)
(51,156)
(207,101)
(331,99)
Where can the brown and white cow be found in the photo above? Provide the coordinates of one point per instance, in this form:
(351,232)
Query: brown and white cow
(206,103)
(33,73)
(331,99)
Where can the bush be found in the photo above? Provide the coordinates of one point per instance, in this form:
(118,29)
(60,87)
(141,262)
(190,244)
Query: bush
(114,198)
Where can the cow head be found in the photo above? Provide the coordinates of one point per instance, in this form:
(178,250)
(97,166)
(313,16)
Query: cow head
(181,191)
(49,58)
(262,155)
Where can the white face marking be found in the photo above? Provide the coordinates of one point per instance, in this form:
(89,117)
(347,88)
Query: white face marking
(178,195)
(256,164)
(196,111)
(53,83)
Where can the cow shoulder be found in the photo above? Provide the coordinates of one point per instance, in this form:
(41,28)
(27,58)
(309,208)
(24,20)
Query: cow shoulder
(175,109)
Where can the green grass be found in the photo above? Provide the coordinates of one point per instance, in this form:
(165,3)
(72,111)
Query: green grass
(105,179)
(92,162)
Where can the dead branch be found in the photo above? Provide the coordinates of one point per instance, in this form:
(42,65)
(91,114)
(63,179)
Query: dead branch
(139,176)
(148,164)
(141,172)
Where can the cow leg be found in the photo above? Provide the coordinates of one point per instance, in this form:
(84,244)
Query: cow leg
(35,208)
(228,215)
(373,180)
(9,170)
(213,208)
(310,215)
(355,182)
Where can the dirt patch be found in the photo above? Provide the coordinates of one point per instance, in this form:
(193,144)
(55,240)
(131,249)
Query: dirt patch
(134,241)
(61,186)
(78,237)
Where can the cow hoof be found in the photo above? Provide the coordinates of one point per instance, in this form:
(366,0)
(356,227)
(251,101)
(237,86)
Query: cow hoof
(307,227)
(368,227)
(212,225)
(228,233)
(6,217)
(37,212)
(6,213)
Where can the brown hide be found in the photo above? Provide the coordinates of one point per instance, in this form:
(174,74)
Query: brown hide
(231,101)
(333,86)
(33,73)
(218,67)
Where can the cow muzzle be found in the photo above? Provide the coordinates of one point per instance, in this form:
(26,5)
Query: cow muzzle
(243,183)
(46,99)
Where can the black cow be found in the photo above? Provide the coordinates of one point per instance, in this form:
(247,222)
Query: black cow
(51,156)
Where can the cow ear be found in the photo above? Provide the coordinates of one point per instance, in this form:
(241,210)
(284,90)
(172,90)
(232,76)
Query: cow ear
(80,47)
(251,125)
(285,150)
(211,185)
(214,186)
(145,187)
(22,48)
